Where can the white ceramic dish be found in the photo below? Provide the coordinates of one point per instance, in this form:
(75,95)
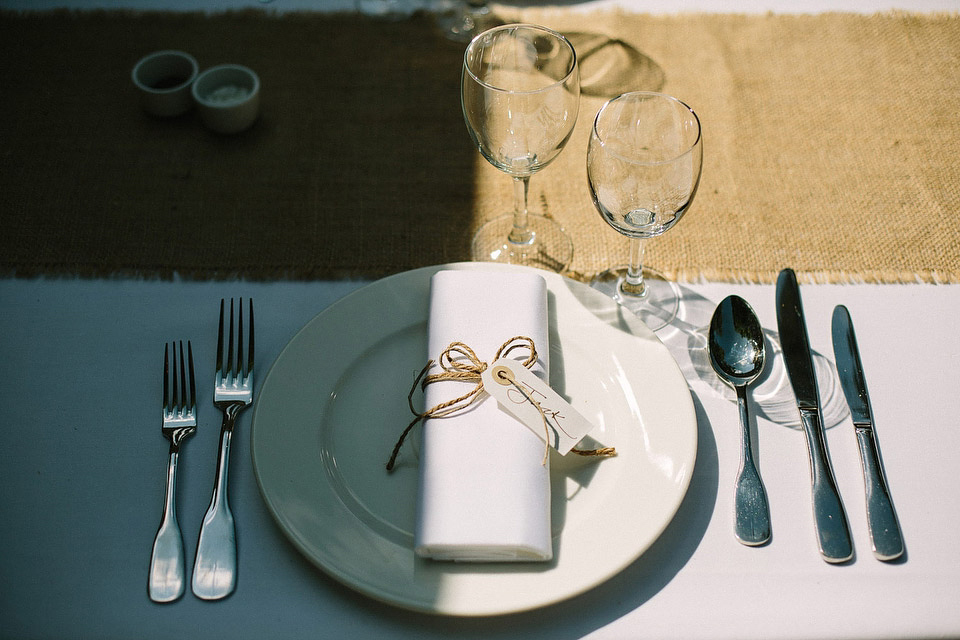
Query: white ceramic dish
(164,79)
(332,406)
(227,97)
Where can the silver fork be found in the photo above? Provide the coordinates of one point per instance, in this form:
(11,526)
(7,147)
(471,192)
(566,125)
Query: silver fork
(167,574)
(215,568)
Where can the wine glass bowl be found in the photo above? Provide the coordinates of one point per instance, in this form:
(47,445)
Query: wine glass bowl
(520,94)
(644,161)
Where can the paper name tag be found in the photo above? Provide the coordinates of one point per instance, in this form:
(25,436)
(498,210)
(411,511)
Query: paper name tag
(525,396)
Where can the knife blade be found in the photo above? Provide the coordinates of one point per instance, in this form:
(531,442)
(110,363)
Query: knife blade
(833,533)
(885,532)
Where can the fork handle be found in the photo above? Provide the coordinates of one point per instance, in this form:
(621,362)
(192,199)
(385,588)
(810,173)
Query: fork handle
(215,568)
(167,570)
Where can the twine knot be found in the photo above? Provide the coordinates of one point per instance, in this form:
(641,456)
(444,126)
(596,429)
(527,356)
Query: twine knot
(459,362)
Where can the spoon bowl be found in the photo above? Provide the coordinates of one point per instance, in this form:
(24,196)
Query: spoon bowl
(737,355)
(736,342)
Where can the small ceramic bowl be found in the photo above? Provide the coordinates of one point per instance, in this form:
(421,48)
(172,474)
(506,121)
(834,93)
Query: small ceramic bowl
(164,79)
(228,97)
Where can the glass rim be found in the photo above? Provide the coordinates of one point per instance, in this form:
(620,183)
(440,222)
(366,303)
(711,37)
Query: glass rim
(650,94)
(514,26)
(167,55)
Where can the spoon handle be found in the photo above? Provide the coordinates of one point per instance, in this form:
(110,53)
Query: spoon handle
(752,526)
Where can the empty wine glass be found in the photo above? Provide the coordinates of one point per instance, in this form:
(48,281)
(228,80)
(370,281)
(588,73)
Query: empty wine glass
(520,92)
(643,165)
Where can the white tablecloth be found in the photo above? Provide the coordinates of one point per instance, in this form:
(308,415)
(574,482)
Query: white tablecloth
(81,471)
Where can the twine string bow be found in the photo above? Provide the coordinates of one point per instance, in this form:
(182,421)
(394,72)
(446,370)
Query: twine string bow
(459,362)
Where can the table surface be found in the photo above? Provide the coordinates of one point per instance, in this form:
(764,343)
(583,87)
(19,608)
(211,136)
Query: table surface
(82,464)
(82,476)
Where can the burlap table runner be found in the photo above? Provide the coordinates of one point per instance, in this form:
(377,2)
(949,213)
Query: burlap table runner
(831,146)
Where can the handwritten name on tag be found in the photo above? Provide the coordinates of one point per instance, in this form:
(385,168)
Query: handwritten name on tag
(531,401)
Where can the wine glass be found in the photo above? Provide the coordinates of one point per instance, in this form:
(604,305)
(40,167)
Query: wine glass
(643,165)
(520,92)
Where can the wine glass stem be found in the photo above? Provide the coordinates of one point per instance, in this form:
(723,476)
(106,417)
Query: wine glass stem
(633,284)
(521,233)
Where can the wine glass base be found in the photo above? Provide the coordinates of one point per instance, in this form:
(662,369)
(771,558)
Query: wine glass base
(550,249)
(462,21)
(657,307)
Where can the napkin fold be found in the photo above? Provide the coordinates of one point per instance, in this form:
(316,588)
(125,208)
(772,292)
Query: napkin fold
(484,491)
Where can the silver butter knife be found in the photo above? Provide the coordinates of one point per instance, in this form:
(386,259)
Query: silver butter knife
(882,519)
(833,533)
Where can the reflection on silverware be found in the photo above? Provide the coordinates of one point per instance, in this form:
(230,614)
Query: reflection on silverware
(737,355)
(881,517)
(167,571)
(771,394)
(215,567)
(833,534)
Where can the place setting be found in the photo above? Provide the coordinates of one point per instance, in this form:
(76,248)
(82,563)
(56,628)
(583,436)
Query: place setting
(466,453)
(475,514)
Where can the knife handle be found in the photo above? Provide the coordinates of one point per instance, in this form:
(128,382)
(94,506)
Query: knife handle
(833,534)
(884,528)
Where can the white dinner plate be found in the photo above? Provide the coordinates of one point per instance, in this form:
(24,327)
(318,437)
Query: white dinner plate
(335,401)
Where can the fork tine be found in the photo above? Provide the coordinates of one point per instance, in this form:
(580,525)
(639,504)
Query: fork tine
(220,342)
(192,405)
(249,368)
(183,383)
(239,369)
(229,370)
(166,376)
(175,401)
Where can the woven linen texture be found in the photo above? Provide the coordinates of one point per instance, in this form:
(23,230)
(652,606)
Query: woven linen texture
(830,146)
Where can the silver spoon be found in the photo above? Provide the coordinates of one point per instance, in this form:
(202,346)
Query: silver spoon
(736,352)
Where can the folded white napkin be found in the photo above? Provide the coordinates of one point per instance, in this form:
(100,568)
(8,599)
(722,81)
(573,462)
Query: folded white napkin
(484,492)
